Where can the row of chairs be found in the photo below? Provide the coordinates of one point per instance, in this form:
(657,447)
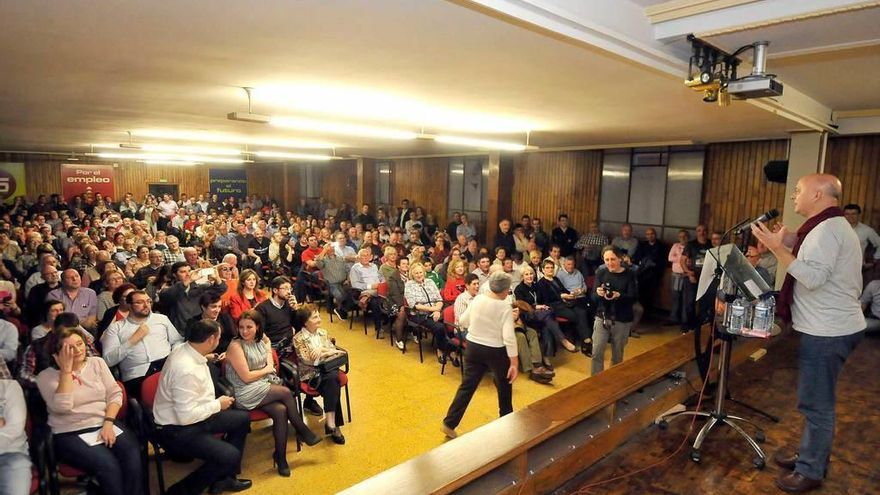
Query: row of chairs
(415,328)
(137,415)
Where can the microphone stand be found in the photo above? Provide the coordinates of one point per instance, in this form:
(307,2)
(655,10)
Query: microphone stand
(743,247)
(719,415)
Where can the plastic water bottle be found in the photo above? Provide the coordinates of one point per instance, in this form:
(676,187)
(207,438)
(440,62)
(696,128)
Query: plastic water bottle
(739,310)
(765,310)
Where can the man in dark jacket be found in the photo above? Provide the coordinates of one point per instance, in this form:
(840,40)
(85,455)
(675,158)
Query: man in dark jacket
(181,301)
(504,238)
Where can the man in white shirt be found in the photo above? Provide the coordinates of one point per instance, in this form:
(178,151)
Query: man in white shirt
(167,209)
(36,278)
(871,306)
(867,235)
(189,416)
(343,250)
(15,463)
(822,289)
(482,269)
(471,289)
(139,343)
(365,277)
(8,341)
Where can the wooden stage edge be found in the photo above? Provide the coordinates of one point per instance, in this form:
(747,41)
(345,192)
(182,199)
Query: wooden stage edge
(540,447)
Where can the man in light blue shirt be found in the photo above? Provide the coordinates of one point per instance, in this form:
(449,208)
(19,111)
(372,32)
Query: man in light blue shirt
(572,279)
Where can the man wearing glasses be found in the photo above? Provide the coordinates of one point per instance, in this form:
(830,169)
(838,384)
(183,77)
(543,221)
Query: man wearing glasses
(139,343)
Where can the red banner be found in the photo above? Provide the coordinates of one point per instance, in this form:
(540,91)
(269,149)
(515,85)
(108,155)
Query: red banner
(79,179)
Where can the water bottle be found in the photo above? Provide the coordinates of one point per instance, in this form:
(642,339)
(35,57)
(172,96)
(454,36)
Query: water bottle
(739,310)
(762,322)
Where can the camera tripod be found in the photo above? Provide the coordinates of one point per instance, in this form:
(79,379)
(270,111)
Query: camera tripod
(719,414)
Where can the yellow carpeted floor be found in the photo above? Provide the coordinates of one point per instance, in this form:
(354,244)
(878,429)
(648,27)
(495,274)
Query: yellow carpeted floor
(397,405)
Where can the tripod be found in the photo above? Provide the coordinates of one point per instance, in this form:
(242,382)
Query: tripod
(719,414)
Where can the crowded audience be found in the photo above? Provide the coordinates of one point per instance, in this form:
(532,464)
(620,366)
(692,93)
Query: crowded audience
(208,292)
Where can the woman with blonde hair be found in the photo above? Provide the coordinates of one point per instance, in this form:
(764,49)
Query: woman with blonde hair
(425,305)
(455,274)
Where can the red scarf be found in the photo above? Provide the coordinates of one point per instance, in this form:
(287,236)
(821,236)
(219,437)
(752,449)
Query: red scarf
(786,295)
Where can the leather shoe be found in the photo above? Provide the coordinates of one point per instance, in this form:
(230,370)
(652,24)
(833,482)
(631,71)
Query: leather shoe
(537,377)
(587,349)
(785,460)
(335,435)
(230,485)
(797,483)
(312,407)
(310,438)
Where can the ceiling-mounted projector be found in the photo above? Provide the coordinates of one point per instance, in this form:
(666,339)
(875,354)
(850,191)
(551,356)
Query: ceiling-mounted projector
(758,84)
(717,73)
(754,87)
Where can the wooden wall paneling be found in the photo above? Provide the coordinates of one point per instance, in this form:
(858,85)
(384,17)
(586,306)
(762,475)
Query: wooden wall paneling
(855,160)
(266,179)
(547,184)
(493,215)
(366,183)
(41,176)
(135,177)
(734,186)
(425,182)
(339,182)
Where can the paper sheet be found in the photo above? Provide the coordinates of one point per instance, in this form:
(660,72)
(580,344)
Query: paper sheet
(91,438)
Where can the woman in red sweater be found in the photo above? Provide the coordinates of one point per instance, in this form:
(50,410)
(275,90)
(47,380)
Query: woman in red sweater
(247,295)
(454,280)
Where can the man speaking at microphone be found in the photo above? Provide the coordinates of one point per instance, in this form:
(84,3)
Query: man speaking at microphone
(820,297)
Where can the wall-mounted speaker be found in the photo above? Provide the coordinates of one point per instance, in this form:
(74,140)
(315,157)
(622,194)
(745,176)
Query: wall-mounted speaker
(776,171)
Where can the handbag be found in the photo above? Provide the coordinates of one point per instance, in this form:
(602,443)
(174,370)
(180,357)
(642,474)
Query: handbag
(333,363)
(325,367)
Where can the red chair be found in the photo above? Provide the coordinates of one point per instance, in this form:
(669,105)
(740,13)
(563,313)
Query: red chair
(298,386)
(457,336)
(149,387)
(311,392)
(381,292)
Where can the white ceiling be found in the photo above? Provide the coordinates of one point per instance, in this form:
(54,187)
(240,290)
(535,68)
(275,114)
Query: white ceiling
(80,72)
(833,58)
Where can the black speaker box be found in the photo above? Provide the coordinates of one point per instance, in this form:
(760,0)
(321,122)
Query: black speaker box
(776,171)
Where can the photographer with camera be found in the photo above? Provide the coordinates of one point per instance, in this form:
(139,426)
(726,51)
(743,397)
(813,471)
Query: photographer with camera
(616,292)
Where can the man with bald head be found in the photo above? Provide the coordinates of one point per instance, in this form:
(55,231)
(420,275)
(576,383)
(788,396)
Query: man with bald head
(81,301)
(822,286)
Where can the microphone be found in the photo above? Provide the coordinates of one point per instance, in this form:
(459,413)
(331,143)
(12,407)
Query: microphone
(766,217)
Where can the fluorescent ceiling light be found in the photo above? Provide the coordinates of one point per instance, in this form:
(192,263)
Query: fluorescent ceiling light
(227,138)
(341,128)
(167,157)
(358,103)
(293,156)
(481,143)
(169,162)
(171,148)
